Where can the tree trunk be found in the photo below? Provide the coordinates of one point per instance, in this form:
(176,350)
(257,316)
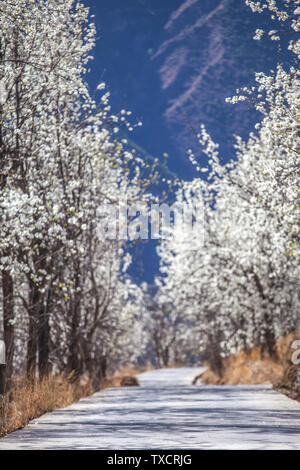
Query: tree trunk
(74,363)
(213,354)
(32,345)
(270,343)
(44,343)
(8,317)
(44,337)
(2,378)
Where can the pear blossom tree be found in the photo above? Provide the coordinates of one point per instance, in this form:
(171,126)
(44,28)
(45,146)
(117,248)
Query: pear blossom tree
(240,287)
(64,288)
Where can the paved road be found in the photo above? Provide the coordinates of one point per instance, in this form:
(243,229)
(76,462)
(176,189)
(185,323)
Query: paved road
(167,412)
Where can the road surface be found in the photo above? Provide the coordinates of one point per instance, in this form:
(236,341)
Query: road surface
(167,412)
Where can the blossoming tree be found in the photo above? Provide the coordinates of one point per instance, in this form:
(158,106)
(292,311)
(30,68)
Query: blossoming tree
(64,288)
(240,287)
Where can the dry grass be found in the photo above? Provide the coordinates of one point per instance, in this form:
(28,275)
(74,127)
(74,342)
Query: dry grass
(30,399)
(247,367)
(255,367)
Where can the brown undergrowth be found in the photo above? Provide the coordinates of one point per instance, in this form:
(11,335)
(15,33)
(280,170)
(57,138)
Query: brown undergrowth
(254,366)
(29,399)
